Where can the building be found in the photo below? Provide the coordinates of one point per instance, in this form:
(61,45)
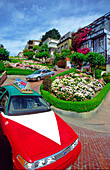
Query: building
(64,42)
(31,44)
(52,45)
(98,39)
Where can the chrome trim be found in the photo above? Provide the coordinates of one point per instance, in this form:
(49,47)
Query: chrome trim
(57,155)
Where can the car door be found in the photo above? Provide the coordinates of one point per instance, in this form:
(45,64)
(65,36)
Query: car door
(44,72)
(4,96)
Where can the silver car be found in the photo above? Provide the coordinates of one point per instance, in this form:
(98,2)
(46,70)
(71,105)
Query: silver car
(39,74)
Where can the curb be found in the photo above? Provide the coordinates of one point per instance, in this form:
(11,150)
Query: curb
(81,115)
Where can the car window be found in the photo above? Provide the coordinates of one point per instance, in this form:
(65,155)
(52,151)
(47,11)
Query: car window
(48,71)
(2,90)
(20,105)
(4,99)
(37,72)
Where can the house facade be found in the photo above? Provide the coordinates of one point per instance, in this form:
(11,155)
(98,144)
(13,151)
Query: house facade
(64,42)
(31,44)
(52,45)
(98,39)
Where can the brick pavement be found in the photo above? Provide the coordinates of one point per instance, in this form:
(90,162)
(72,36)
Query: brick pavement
(95,152)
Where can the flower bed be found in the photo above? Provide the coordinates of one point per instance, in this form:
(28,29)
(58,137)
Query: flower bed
(76,87)
(76,106)
(27,64)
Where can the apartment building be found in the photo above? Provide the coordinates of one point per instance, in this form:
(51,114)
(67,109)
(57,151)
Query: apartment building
(52,45)
(98,39)
(64,42)
(31,44)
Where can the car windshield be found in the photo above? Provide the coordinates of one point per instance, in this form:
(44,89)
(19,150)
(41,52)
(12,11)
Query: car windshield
(20,105)
(37,72)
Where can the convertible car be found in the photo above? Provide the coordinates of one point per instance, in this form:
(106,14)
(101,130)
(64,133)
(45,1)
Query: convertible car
(38,137)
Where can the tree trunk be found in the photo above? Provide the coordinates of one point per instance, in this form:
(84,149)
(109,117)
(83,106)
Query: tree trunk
(94,72)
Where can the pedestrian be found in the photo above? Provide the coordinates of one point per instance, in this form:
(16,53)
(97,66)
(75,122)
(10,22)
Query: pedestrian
(55,67)
(72,65)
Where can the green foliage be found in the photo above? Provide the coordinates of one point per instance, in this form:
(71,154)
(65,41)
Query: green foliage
(35,47)
(43,52)
(17,71)
(78,58)
(106,77)
(29,54)
(47,82)
(25,51)
(83,106)
(95,59)
(65,53)
(51,34)
(57,57)
(4,54)
(1,66)
(98,73)
(61,63)
(44,47)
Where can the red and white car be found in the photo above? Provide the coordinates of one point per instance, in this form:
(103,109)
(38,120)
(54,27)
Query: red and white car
(38,137)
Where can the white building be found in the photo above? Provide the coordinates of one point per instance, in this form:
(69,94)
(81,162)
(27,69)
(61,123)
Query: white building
(52,45)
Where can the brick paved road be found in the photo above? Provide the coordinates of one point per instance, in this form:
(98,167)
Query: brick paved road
(95,152)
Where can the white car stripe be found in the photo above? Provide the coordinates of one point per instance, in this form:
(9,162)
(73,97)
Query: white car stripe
(43,123)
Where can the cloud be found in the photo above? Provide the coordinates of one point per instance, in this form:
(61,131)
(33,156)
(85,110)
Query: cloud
(73,23)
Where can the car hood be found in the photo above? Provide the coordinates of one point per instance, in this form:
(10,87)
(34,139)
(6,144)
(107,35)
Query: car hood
(41,134)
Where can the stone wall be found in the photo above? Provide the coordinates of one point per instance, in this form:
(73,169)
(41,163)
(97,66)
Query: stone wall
(3,77)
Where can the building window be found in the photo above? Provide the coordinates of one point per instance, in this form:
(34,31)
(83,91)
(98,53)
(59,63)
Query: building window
(61,48)
(58,50)
(66,46)
(108,41)
(101,41)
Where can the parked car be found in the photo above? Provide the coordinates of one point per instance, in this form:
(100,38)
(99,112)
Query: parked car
(39,74)
(38,137)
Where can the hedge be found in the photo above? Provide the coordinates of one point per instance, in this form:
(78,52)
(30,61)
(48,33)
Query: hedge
(18,71)
(83,106)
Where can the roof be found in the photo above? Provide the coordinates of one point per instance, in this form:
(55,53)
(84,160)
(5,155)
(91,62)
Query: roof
(13,91)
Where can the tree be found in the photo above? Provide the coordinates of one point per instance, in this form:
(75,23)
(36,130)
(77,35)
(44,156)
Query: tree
(95,59)
(65,53)
(29,54)
(44,47)
(4,54)
(35,47)
(78,59)
(43,52)
(57,57)
(51,34)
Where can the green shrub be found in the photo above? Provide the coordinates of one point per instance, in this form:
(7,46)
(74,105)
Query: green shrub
(106,79)
(1,66)
(47,83)
(17,71)
(98,73)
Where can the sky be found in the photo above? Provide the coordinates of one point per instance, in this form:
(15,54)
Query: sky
(24,20)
